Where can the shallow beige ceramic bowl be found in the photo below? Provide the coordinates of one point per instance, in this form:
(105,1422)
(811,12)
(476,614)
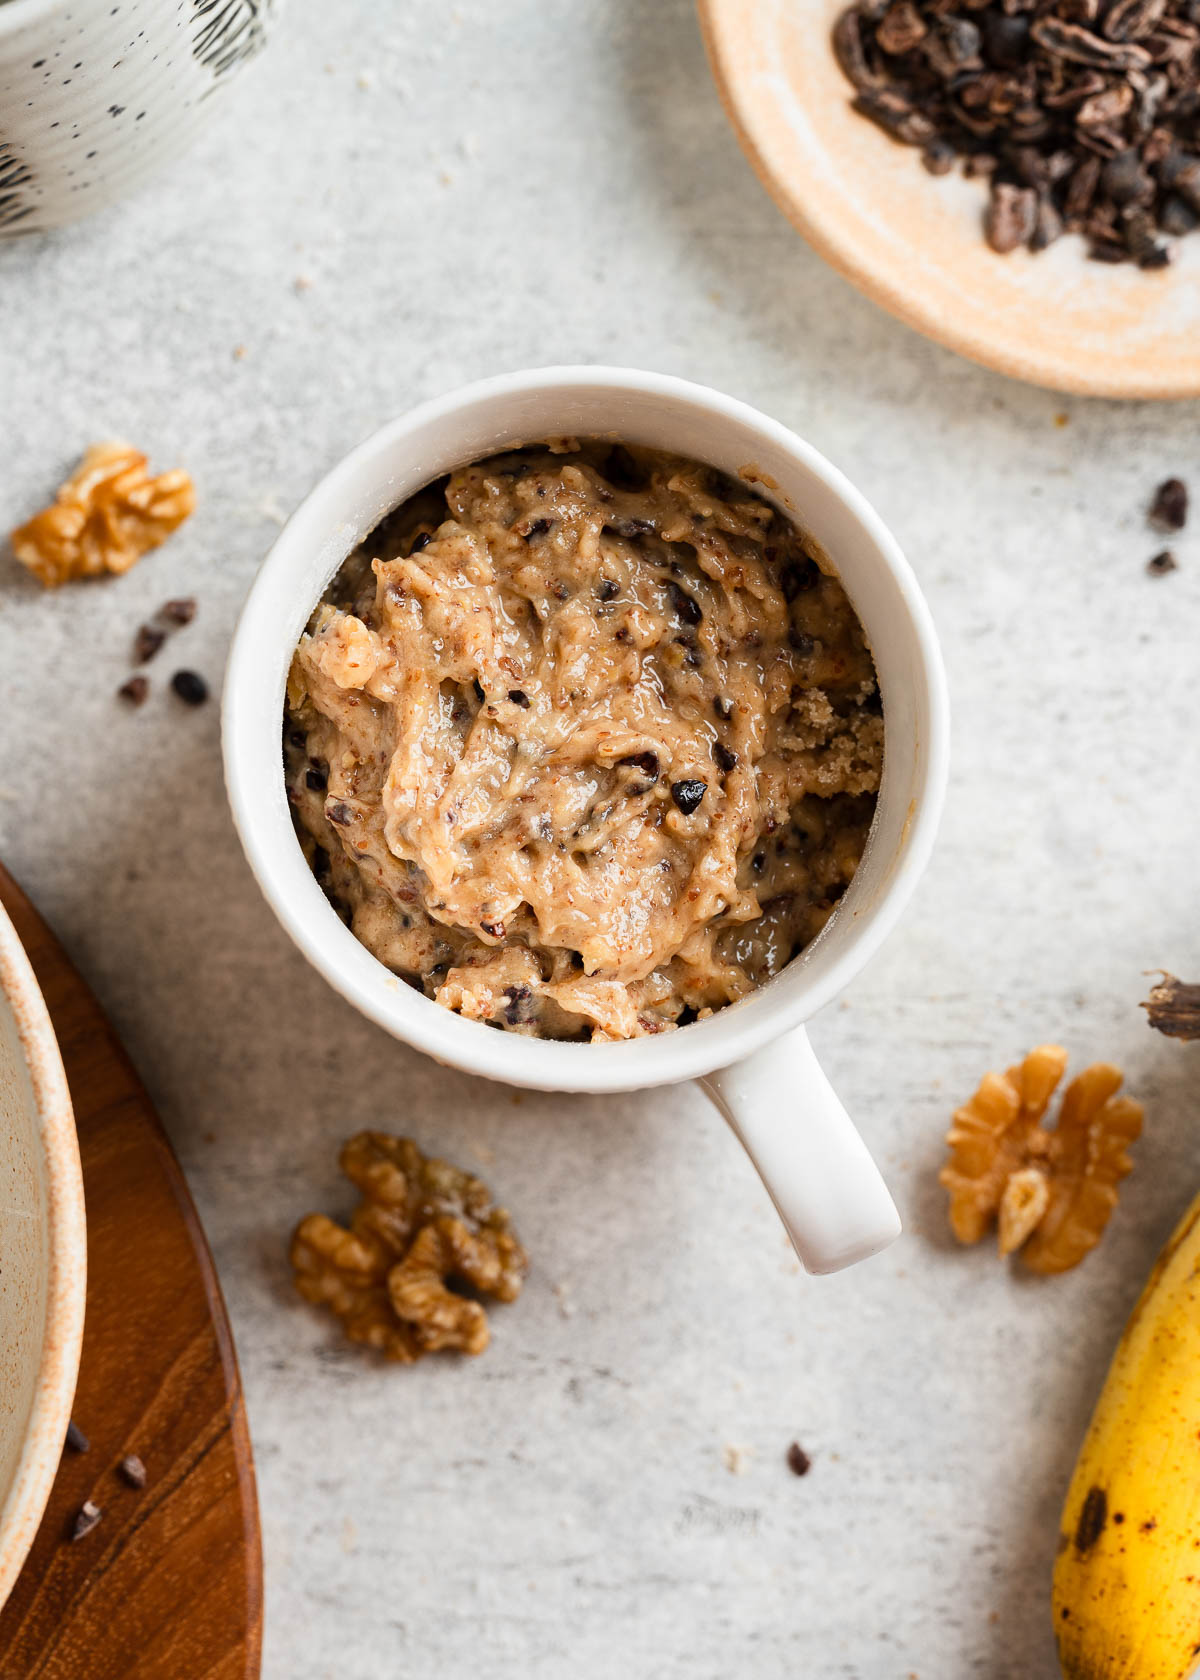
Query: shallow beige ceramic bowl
(43,1256)
(913,243)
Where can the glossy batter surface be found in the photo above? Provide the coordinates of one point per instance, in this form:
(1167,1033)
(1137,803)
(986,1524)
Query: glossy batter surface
(584,740)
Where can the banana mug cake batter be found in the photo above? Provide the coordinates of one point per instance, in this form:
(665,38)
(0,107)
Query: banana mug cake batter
(584,740)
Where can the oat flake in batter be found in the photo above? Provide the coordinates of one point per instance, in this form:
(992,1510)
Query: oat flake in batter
(584,741)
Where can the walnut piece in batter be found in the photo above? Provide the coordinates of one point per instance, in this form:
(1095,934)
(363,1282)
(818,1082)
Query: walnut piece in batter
(421,1223)
(104,518)
(584,741)
(1051,1192)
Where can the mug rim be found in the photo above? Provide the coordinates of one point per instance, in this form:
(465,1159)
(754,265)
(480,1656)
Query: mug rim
(322,521)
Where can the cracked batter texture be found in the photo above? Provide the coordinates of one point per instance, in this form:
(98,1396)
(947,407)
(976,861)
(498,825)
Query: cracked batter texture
(584,740)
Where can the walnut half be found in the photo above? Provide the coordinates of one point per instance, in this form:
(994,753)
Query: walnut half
(104,518)
(1051,1190)
(420,1226)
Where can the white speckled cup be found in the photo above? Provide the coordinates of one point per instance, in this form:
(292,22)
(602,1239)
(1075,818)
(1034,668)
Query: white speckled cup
(752,1058)
(96,95)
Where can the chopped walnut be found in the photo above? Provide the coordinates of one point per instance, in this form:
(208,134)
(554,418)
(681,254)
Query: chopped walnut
(1051,1191)
(421,1224)
(104,518)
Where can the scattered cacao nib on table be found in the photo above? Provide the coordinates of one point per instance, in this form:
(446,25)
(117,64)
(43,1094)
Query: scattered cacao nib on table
(1084,114)
(1160,564)
(88,1516)
(798,1460)
(76,1439)
(133,1471)
(1174,1008)
(135,691)
(182,610)
(1169,509)
(191,687)
(147,643)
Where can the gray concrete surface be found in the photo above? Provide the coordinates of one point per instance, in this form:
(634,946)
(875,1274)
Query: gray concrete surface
(404,197)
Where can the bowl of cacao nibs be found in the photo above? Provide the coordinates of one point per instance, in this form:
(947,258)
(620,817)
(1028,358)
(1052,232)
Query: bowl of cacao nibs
(1018,179)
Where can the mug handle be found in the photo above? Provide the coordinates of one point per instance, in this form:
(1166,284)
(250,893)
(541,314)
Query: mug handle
(817,1170)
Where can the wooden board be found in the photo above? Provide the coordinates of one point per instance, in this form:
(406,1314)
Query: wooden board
(168,1586)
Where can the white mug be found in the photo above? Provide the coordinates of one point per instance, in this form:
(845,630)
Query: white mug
(96,95)
(753,1057)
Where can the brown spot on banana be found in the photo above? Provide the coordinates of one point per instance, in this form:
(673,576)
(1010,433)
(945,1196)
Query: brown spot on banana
(1092,1518)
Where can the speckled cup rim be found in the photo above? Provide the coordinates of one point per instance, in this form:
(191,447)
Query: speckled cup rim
(66,1284)
(644,407)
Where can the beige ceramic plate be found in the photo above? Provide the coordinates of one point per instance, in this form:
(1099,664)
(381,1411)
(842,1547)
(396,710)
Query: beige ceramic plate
(43,1256)
(913,243)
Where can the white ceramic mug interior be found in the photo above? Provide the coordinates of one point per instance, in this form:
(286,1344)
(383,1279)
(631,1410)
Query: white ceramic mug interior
(752,1056)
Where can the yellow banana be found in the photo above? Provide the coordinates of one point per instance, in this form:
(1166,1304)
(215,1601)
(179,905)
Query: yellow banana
(1127,1579)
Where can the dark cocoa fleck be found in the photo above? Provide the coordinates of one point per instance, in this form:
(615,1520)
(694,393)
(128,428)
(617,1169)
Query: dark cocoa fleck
(520,1008)
(1011,216)
(133,1470)
(538,528)
(337,811)
(1162,563)
(901,28)
(646,762)
(316,777)
(190,687)
(76,1439)
(608,589)
(147,642)
(181,610)
(939,157)
(687,608)
(723,708)
(86,1519)
(518,697)
(798,1461)
(135,690)
(725,757)
(630,529)
(1005,38)
(1169,509)
(687,794)
(798,577)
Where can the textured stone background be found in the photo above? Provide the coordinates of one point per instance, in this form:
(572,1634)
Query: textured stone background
(552,180)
